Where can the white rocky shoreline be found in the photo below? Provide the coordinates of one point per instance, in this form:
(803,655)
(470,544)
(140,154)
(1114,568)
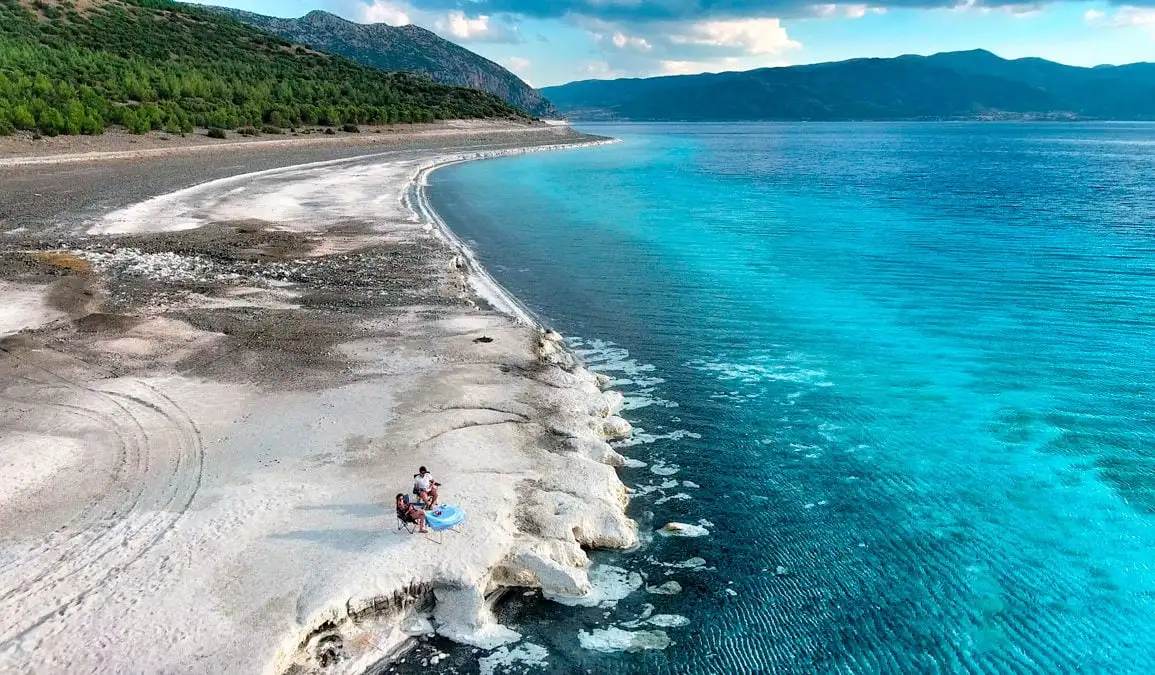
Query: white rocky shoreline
(277,551)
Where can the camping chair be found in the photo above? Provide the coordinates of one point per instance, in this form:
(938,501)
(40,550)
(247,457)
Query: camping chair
(404,520)
(406,523)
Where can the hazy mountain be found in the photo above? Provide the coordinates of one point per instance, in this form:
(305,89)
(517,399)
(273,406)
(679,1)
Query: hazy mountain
(401,48)
(973,84)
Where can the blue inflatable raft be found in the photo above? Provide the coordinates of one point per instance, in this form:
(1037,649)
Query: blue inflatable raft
(444,517)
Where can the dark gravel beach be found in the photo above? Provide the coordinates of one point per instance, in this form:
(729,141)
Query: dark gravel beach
(47,208)
(58,198)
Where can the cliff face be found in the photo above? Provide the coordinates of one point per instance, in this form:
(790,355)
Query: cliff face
(402,48)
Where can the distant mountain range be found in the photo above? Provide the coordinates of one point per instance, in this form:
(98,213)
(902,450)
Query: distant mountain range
(408,49)
(954,85)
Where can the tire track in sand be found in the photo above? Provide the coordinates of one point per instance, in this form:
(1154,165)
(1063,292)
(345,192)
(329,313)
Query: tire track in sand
(157,463)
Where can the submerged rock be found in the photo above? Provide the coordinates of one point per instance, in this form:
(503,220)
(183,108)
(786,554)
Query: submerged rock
(668,588)
(614,639)
(668,621)
(608,585)
(683,530)
(502,660)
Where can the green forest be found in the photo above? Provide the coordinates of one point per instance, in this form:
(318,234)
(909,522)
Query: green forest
(158,65)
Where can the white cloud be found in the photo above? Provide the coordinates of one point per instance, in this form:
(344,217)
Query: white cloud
(519,65)
(600,70)
(672,67)
(604,32)
(382,11)
(457,25)
(749,36)
(829,11)
(1133,16)
(1022,11)
(1126,16)
(461,26)
(645,49)
(623,41)
(454,25)
(1019,11)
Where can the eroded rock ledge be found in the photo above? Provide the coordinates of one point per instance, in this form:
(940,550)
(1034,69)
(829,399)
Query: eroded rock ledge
(570,500)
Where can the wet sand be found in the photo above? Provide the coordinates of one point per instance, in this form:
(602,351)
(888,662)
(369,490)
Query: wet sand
(212,386)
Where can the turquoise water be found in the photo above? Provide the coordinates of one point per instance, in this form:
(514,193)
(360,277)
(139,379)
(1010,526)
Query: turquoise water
(909,366)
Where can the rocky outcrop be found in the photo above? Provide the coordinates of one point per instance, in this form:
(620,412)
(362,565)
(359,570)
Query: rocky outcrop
(410,49)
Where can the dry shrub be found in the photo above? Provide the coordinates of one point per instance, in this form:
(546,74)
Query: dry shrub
(65,262)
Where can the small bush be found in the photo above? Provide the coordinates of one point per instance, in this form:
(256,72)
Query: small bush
(6,128)
(329,131)
(351,128)
(136,123)
(65,262)
(51,122)
(270,129)
(23,119)
(216,132)
(249,131)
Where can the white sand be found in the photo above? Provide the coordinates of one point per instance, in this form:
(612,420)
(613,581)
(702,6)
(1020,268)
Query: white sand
(24,306)
(157,523)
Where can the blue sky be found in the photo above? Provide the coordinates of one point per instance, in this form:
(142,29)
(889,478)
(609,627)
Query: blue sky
(551,42)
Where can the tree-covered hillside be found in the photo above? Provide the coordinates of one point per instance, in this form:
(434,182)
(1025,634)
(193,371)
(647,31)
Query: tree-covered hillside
(68,68)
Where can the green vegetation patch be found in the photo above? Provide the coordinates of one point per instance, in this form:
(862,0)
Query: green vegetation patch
(155,64)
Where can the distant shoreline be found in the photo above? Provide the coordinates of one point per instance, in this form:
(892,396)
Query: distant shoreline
(23,149)
(905,120)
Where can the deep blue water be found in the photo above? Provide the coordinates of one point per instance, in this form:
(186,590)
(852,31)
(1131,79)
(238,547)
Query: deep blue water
(911,364)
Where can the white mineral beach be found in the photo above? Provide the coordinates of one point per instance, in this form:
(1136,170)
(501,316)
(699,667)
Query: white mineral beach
(151,521)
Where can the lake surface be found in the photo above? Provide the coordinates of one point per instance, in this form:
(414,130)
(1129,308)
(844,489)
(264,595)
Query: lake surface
(904,375)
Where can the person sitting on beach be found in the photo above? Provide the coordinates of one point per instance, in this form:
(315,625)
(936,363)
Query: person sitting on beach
(409,513)
(425,487)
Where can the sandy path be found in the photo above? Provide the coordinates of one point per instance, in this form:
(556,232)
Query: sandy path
(201,444)
(21,151)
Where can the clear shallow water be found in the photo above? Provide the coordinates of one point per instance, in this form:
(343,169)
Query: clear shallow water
(910,364)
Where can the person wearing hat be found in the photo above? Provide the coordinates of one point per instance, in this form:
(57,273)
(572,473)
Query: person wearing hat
(425,487)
